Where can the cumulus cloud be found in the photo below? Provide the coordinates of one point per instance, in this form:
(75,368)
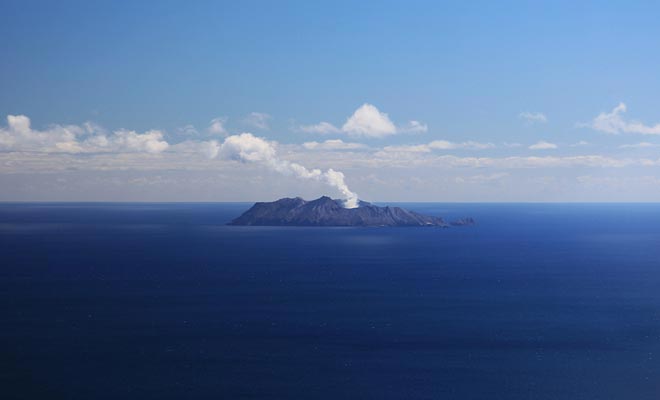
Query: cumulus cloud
(543,145)
(128,141)
(439,145)
(367,121)
(613,122)
(333,144)
(249,148)
(88,138)
(533,117)
(258,120)
(217,126)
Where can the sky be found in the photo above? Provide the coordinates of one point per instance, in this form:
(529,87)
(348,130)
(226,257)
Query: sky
(386,101)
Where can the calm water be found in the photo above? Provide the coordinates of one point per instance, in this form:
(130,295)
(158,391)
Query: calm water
(163,301)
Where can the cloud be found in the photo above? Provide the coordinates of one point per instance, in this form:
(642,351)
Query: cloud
(580,143)
(511,145)
(439,145)
(533,117)
(369,122)
(414,127)
(128,141)
(642,145)
(321,127)
(481,178)
(188,130)
(258,120)
(543,145)
(208,149)
(333,144)
(217,126)
(613,122)
(88,138)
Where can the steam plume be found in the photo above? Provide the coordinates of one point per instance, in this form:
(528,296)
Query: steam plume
(249,148)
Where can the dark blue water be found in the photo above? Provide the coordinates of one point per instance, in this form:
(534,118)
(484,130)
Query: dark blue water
(162,301)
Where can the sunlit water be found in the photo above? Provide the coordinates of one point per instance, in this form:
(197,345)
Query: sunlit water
(164,301)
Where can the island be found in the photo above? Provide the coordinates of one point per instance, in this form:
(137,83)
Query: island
(325,211)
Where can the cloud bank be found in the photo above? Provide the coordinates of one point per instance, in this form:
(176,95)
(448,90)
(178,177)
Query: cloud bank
(88,138)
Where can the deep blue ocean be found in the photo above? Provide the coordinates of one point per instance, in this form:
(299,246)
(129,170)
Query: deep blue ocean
(163,301)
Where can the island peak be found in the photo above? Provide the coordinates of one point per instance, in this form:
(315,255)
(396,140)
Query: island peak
(326,211)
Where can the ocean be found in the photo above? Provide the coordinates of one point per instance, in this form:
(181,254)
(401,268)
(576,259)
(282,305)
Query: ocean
(163,301)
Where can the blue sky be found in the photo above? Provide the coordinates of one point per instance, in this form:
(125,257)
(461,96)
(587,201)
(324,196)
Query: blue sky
(492,79)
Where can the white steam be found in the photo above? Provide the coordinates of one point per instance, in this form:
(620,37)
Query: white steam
(249,148)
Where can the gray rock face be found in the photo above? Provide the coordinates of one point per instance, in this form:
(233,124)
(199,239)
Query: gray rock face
(325,211)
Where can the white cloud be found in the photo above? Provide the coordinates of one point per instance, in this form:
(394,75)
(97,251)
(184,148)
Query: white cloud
(416,148)
(128,141)
(543,145)
(370,122)
(439,145)
(367,121)
(217,126)
(90,151)
(333,144)
(533,117)
(258,120)
(614,123)
(19,136)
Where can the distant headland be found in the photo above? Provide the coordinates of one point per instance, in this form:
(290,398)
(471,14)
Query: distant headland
(325,211)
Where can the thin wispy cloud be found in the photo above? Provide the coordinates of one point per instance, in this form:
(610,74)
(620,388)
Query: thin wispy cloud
(613,122)
(217,126)
(321,127)
(188,130)
(533,117)
(258,120)
(413,127)
(333,144)
(439,145)
(543,145)
(641,145)
(581,143)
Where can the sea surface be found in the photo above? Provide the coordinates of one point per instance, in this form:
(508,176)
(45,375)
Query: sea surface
(163,301)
